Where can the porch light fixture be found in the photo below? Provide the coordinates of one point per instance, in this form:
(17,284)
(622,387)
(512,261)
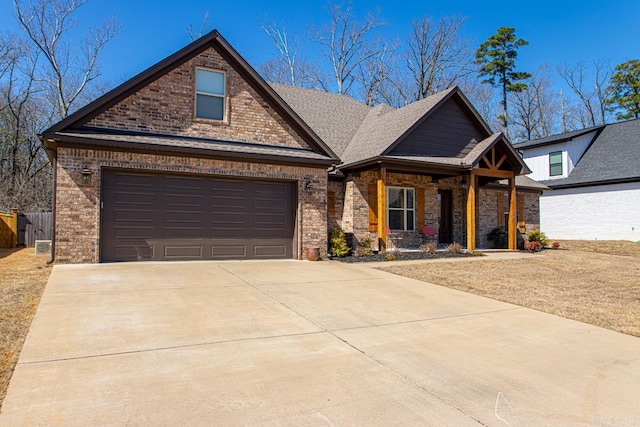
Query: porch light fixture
(86,175)
(306,185)
(463,184)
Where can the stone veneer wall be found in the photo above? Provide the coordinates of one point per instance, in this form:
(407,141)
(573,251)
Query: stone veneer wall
(335,215)
(355,217)
(487,217)
(77,238)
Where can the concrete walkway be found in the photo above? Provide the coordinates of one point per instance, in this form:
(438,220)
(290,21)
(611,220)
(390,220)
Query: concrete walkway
(302,343)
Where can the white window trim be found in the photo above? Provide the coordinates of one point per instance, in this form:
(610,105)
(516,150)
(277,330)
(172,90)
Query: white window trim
(562,167)
(404,210)
(223,96)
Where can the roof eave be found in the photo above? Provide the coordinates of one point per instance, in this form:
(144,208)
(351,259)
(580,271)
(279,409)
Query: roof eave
(79,142)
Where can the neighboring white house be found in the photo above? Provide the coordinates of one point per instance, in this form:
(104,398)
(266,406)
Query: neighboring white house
(593,177)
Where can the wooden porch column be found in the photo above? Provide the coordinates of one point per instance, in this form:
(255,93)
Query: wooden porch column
(382,209)
(471,213)
(513,245)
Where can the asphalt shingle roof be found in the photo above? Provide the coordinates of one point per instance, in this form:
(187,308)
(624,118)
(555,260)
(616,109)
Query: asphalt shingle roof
(614,155)
(334,118)
(555,138)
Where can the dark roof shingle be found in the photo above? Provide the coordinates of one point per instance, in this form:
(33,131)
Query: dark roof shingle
(614,155)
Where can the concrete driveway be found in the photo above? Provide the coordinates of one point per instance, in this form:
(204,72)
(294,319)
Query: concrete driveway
(302,343)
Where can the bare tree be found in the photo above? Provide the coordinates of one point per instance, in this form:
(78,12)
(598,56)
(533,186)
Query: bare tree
(24,168)
(67,70)
(591,89)
(43,77)
(347,44)
(437,56)
(203,28)
(535,109)
(374,73)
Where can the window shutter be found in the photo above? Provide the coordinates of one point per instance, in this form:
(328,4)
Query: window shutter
(500,210)
(521,222)
(420,208)
(331,203)
(373,207)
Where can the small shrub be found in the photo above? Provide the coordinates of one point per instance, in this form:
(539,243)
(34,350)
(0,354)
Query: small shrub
(361,251)
(338,243)
(533,246)
(364,248)
(478,253)
(499,237)
(454,248)
(555,245)
(429,248)
(538,236)
(390,256)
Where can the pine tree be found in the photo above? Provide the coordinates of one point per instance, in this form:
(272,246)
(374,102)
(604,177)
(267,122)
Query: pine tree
(497,60)
(625,90)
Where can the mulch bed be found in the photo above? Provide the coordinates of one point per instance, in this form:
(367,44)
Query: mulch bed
(403,256)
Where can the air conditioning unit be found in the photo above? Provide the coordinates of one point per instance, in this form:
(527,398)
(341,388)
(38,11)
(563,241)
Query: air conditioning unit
(43,247)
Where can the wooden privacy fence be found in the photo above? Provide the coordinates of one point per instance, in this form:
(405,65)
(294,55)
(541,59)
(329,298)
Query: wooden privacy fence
(34,226)
(9,229)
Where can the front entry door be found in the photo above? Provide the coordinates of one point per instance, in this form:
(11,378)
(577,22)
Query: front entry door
(446,216)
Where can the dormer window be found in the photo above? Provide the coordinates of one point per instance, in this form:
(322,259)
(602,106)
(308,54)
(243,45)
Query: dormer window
(555,163)
(210,94)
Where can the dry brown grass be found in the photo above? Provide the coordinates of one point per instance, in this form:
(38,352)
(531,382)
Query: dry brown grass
(583,282)
(23,277)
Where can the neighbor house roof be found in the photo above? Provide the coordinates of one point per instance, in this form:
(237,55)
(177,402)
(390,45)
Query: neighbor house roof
(554,139)
(613,156)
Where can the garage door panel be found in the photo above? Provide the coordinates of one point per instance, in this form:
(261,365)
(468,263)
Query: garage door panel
(270,219)
(168,217)
(133,180)
(131,251)
(228,251)
(183,251)
(229,233)
(183,217)
(269,251)
(270,204)
(228,186)
(134,215)
(229,202)
(121,232)
(134,199)
(229,218)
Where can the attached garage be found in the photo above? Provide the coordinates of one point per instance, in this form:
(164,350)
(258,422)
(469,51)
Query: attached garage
(159,216)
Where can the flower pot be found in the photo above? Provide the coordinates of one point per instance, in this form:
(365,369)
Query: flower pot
(313,254)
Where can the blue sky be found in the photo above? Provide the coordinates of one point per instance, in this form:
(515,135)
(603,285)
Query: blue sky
(558,31)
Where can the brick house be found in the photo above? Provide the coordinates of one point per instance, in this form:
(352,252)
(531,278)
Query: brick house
(199,158)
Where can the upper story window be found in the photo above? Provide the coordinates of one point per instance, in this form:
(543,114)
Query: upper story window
(210,94)
(555,163)
(400,208)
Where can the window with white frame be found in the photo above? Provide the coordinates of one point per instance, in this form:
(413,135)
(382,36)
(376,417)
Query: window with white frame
(210,94)
(400,209)
(555,163)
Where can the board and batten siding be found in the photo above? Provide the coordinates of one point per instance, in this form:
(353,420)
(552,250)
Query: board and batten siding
(604,212)
(537,159)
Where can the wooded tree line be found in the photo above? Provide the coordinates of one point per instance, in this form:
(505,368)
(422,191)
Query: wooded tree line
(351,57)
(45,74)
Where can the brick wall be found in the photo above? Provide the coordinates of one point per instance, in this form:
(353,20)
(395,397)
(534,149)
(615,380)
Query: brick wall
(487,215)
(77,204)
(166,106)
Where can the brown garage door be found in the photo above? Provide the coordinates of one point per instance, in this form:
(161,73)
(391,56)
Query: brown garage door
(154,216)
